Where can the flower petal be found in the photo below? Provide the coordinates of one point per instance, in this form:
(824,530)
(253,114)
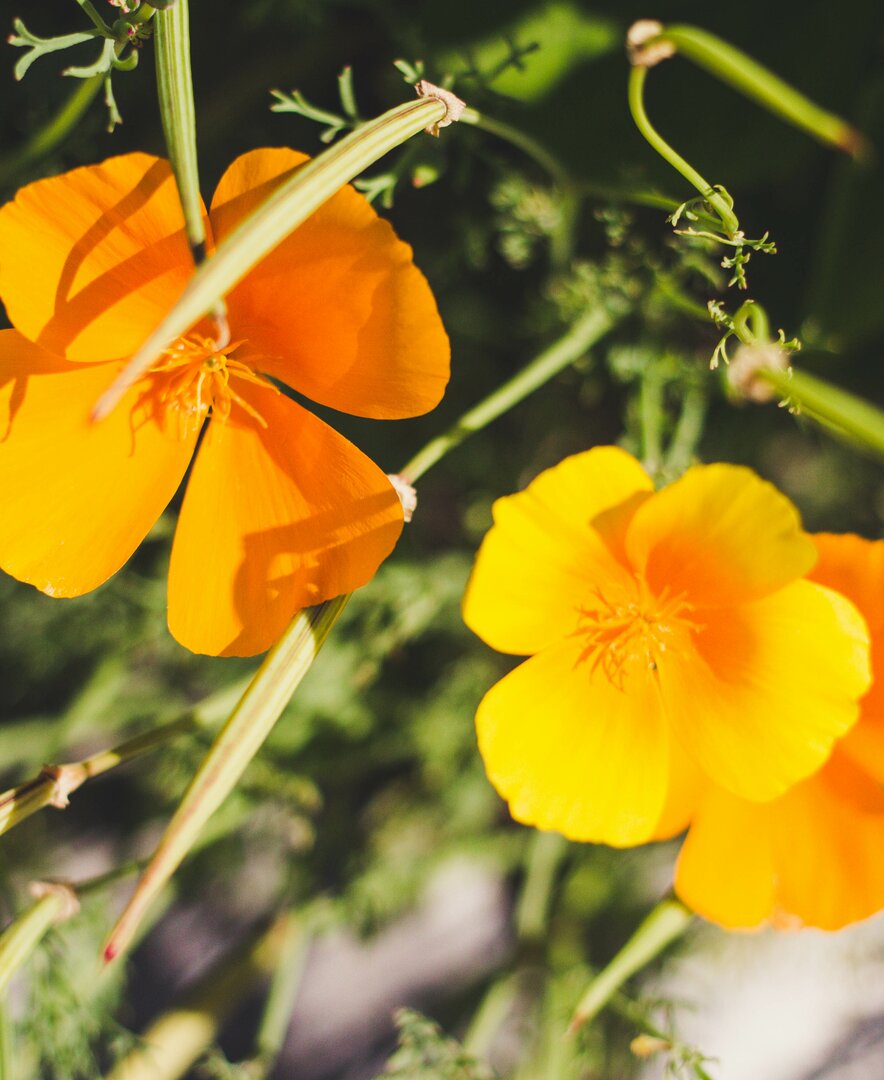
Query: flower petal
(541,557)
(809,858)
(721,536)
(855,568)
(768,687)
(275,519)
(338,310)
(94,258)
(573,753)
(78,497)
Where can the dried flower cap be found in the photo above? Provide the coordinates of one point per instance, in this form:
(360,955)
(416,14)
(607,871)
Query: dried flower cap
(642,54)
(746,365)
(453,104)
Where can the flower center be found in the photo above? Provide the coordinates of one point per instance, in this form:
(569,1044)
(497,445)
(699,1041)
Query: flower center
(195,376)
(628,629)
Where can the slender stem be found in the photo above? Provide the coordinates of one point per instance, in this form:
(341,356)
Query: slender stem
(237,743)
(843,412)
(537,152)
(291,960)
(490,1016)
(568,349)
(7,1045)
(687,431)
(637,76)
(292,203)
(756,82)
(94,16)
(668,921)
(46,138)
(651,413)
(175,93)
(545,854)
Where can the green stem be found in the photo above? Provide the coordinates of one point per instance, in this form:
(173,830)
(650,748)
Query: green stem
(546,851)
(668,921)
(175,93)
(289,205)
(46,138)
(236,744)
(285,986)
(715,199)
(96,19)
(529,146)
(489,1018)
(7,1045)
(651,414)
(687,431)
(756,82)
(843,412)
(568,349)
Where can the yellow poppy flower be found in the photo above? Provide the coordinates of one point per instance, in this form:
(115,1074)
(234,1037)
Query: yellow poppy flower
(280,511)
(814,856)
(670,637)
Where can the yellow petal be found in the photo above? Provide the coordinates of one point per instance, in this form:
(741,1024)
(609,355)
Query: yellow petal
(94,258)
(338,310)
(855,568)
(541,558)
(572,753)
(274,519)
(726,869)
(768,687)
(77,497)
(721,536)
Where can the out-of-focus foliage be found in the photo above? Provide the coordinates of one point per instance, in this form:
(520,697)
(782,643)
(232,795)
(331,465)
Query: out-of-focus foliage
(371,781)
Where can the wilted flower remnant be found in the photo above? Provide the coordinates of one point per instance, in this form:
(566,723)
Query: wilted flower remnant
(280,511)
(676,648)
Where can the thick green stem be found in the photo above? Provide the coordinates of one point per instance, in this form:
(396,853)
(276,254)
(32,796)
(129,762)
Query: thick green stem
(837,409)
(715,199)
(568,349)
(292,203)
(668,921)
(175,93)
(756,82)
(236,744)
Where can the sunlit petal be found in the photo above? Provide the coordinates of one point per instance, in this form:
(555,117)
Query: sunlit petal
(721,536)
(572,753)
(275,519)
(77,497)
(338,310)
(541,558)
(767,687)
(100,256)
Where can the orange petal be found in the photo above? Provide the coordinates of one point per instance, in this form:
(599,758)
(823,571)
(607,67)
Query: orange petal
(275,519)
(721,536)
(768,687)
(78,497)
(541,558)
(94,258)
(855,568)
(573,753)
(726,869)
(338,310)
(809,858)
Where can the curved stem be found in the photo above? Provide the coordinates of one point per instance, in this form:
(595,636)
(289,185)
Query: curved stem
(529,146)
(568,349)
(729,220)
(770,91)
(45,139)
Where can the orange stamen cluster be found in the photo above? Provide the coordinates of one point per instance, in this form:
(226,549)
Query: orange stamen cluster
(194,377)
(630,627)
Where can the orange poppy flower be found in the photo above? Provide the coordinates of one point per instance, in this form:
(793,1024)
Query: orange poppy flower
(814,856)
(670,639)
(280,511)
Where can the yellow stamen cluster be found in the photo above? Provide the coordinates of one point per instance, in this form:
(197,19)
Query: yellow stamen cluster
(194,377)
(631,627)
